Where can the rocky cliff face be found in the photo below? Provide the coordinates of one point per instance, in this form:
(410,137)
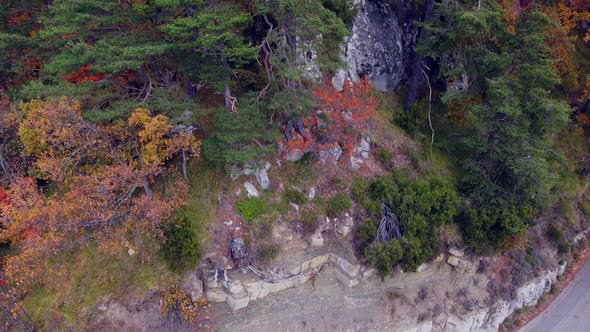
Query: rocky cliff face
(374,49)
(490,317)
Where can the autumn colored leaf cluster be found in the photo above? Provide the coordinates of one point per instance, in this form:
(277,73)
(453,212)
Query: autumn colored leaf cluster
(156,145)
(3,199)
(83,75)
(339,119)
(176,300)
(102,192)
(567,17)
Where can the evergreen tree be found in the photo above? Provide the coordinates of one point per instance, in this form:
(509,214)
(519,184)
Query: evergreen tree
(103,50)
(516,117)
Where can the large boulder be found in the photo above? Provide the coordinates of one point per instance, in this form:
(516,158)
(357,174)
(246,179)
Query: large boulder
(374,49)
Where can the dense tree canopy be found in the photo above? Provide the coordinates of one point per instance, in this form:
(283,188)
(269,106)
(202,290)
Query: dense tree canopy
(102,102)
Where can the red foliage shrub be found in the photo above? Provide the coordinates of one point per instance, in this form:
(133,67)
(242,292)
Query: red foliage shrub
(83,75)
(339,119)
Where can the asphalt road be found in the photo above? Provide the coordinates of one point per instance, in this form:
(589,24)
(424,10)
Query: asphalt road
(570,311)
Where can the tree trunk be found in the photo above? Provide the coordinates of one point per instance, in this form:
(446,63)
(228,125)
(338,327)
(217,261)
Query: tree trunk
(3,164)
(184,159)
(146,188)
(227,97)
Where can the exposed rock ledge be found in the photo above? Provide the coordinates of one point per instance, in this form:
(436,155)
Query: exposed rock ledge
(489,318)
(245,288)
(241,288)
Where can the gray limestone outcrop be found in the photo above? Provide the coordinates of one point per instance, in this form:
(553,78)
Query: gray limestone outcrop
(374,49)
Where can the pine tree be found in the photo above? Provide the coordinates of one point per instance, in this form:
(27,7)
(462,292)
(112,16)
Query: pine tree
(512,125)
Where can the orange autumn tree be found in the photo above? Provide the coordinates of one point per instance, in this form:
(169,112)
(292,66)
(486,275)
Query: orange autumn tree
(156,140)
(566,15)
(338,119)
(60,140)
(98,188)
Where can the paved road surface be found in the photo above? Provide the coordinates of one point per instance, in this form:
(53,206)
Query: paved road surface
(570,311)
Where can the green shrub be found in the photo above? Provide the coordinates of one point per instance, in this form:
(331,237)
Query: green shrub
(252,209)
(338,204)
(407,121)
(294,196)
(338,183)
(367,232)
(384,256)
(563,247)
(385,157)
(182,248)
(554,233)
(420,205)
(394,295)
(235,140)
(309,221)
(585,208)
(487,229)
(360,193)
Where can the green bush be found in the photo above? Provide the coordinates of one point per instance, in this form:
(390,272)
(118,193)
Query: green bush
(236,140)
(554,233)
(309,221)
(563,247)
(252,209)
(487,229)
(337,204)
(384,256)
(565,207)
(420,204)
(182,248)
(367,232)
(585,208)
(294,196)
(360,193)
(407,121)
(416,251)
(385,157)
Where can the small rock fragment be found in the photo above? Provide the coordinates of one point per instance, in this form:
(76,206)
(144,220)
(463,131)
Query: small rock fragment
(422,267)
(317,240)
(456,252)
(311,193)
(252,192)
(295,206)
